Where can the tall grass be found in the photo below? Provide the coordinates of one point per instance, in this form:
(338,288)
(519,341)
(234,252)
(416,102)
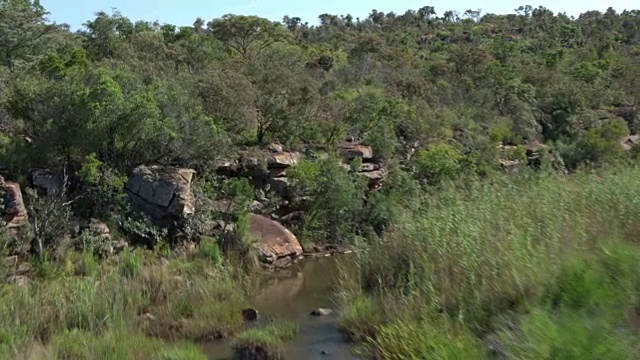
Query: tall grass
(471,255)
(136,295)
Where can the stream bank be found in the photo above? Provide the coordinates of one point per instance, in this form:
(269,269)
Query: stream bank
(291,294)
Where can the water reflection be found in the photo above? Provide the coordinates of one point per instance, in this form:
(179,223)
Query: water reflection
(292,294)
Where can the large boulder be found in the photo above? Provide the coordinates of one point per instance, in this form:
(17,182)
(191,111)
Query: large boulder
(277,246)
(47,181)
(14,213)
(163,193)
(283,159)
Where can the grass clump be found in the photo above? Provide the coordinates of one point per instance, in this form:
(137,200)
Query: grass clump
(501,249)
(118,345)
(264,343)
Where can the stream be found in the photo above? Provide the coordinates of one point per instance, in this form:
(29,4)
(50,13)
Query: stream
(291,294)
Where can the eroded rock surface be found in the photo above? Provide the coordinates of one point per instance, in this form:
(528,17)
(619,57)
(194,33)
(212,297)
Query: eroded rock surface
(162,193)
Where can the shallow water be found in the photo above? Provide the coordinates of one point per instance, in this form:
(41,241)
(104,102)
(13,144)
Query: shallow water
(292,294)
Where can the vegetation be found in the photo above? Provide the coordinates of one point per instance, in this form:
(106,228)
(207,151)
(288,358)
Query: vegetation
(264,343)
(87,308)
(541,264)
(462,256)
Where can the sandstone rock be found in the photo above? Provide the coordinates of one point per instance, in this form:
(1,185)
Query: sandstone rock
(283,160)
(276,148)
(162,193)
(353,150)
(15,213)
(276,244)
(48,181)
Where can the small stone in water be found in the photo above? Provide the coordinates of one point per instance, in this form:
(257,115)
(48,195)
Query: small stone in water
(250,314)
(321,312)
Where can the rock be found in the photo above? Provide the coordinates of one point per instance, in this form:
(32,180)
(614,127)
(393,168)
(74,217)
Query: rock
(250,314)
(120,246)
(227,167)
(99,229)
(23,269)
(276,245)
(321,312)
(353,150)
(15,213)
(509,164)
(163,193)
(278,172)
(281,186)
(630,142)
(149,317)
(368,167)
(375,175)
(283,160)
(276,148)
(47,181)
(257,207)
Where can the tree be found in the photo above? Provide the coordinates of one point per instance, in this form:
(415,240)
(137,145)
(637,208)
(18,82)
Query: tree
(426,12)
(246,35)
(23,29)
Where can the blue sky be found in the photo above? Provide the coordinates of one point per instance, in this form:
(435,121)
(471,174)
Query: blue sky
(184,12)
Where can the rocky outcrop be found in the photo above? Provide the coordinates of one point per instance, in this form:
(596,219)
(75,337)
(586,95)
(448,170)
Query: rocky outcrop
(283,160)
(14,213)
(352,150)
(163,193)
(277,246)
(373,171)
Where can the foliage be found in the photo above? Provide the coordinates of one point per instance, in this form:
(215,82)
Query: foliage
(336,200)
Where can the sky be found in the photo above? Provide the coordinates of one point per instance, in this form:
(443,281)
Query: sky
(184,12)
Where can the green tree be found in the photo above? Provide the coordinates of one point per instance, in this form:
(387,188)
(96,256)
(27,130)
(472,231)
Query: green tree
(247,35)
